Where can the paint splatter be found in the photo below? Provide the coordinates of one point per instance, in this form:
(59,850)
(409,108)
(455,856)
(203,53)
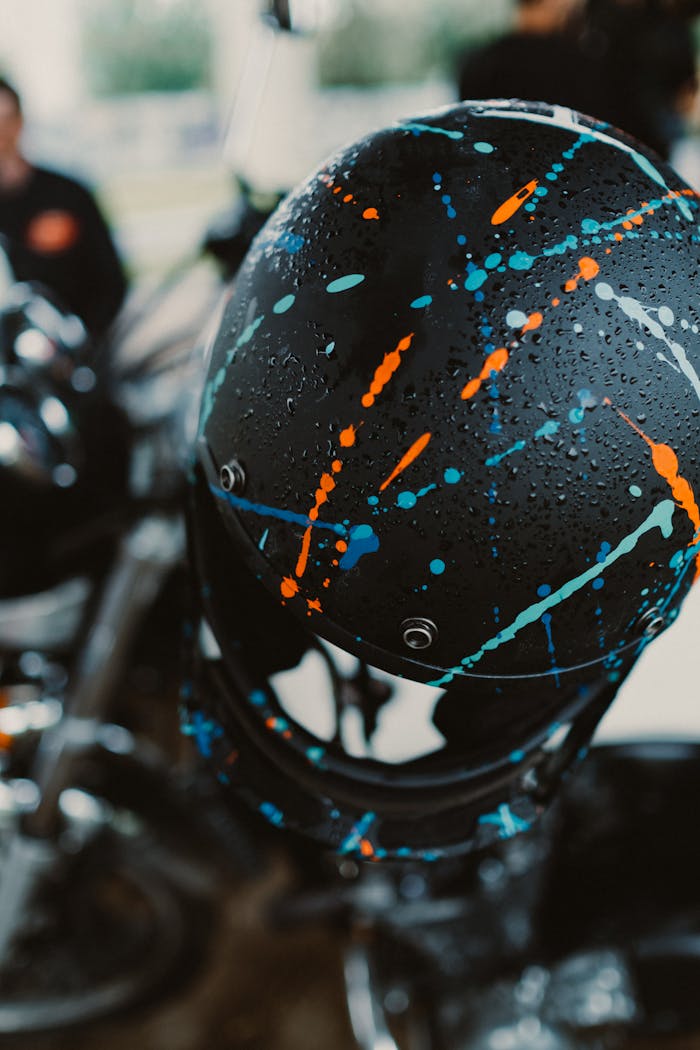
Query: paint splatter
(666,465)
(414,451)
(495,362)
(661,517)
(343,284)
(284,304)
(588,269)
(420,129)
(508,209)
(386,370)
(362,540)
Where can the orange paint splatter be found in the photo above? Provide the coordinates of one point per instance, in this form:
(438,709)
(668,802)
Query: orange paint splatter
(666,466)
(370,213)
(348,437)
(534,321)
(341,546)
(366,848)
(314,605)
(336,466)
(289,587)
(414,451)
(588,269)
(495,362)
(556,301)
(304,553)
(386,370)
(509,207)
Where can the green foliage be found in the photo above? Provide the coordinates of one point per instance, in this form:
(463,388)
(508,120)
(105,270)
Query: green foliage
(133,46)
(383,41)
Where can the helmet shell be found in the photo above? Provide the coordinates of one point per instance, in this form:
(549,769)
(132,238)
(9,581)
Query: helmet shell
(457,385)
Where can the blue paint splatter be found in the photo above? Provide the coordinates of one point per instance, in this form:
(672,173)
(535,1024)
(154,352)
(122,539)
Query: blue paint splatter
(362,540)
(204,731)
(547,621)
(275,512)
(272,813)
(290,242)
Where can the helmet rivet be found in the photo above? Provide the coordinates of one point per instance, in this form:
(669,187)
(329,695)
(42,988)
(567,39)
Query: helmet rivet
(418,633)
(651,623)
(232,477)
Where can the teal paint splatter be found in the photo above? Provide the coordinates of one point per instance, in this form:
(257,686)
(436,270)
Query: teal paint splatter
(422,301)
(635,491)
(358,832)
(419,129)
(507,823)
(493,461)
(521,261)
(475,280)
(452,476)
(343,284)
(661,517)
(437,566)
(250,331)
(407,500)
(282,305)
(483,147)
(263,540)
(547,429)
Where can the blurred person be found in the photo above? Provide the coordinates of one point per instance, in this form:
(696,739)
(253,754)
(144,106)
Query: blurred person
(645,50)
(630,63)
(539,59)
(53,230)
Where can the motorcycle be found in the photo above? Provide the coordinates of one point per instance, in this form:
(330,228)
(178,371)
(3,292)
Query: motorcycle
(107,885)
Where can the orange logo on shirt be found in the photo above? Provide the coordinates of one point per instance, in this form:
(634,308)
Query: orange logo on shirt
(52,232)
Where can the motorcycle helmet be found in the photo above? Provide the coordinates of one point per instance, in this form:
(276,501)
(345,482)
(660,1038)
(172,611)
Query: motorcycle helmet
(63,445)
(448,457)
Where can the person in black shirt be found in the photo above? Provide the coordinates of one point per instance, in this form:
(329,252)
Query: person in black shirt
(53,231)
(539,60)
(630,63)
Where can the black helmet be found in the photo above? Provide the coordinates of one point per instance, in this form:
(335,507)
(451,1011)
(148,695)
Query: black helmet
(449,427)
(62,444)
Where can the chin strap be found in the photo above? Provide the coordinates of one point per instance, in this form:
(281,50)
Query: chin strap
(549,772)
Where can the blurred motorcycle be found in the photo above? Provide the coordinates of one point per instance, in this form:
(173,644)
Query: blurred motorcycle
(100,902)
